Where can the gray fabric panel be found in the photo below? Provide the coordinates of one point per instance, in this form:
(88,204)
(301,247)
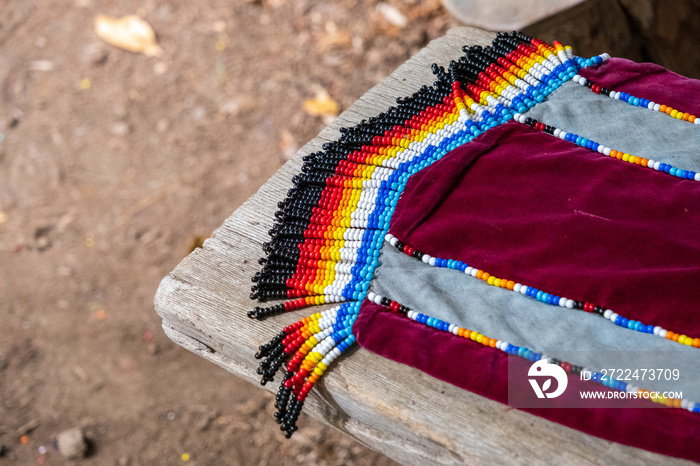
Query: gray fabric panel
(621,126)
(454,297)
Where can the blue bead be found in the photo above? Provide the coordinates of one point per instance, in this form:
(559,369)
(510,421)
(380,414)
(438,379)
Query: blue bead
(691,175)
(623,322)
(630,324)
(618,320)
(538,296)
(672,171)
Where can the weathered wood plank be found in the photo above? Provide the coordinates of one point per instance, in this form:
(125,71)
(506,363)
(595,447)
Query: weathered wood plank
(397,410)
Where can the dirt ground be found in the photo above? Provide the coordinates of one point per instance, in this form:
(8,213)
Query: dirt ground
(112,166)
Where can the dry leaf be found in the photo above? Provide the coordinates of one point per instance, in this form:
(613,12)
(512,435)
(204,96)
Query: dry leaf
(332,37)
(392,14)
(322,105)
(129,33)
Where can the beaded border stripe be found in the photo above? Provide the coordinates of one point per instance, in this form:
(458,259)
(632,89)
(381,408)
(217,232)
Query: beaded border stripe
(525,353)
(539,295)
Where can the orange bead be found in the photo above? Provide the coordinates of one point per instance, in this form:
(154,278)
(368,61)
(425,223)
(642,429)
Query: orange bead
(510,285)
(691,118)
(493,342)
(613,153)
(685,116)
(663,109)
(645,162)
(669,110)
(485,276)
(460,332)
(479,273)
(696,342)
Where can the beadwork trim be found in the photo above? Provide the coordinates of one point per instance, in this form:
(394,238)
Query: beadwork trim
(525,353)
(325,245)
(607,151)
(629,98)
(539,295)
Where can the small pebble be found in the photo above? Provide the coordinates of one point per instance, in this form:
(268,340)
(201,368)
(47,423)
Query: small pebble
(71,443)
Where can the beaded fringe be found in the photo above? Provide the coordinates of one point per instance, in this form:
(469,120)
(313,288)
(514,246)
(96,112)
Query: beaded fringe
(329,230)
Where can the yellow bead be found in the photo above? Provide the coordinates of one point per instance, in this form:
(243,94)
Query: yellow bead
(491,280)
(479,338)
(625,157)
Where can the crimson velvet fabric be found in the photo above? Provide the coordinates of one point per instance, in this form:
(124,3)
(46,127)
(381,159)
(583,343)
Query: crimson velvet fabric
(524,205)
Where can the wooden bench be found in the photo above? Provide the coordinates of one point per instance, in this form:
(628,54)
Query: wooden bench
(394,409)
